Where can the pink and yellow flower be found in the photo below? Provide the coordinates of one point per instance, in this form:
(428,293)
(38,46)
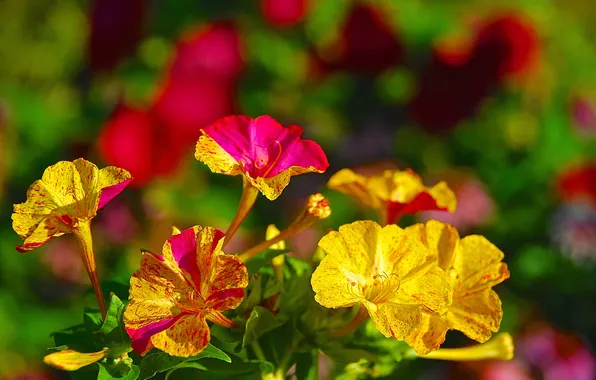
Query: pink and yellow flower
(394,193)
(173,295)
(266,153)
(474,266)
(67,196)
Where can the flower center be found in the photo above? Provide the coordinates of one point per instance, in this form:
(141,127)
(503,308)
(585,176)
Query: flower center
(263,163)
(379,288)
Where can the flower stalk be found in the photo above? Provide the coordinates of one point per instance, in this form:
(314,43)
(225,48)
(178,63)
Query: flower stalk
(317,208)
(500,347)
(83,235)
(360,317)
(247,200)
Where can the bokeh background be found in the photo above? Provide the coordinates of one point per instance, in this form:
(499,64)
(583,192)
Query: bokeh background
(497,97)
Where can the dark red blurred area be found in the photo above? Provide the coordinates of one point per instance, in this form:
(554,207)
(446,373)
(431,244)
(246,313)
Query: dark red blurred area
(368,44)
(578,182)
(451,90)
(116,29)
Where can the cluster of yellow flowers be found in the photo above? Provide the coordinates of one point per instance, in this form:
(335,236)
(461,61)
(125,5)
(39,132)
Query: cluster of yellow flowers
(414,283)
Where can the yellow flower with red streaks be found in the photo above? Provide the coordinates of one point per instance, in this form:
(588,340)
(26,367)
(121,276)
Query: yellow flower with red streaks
(67,193)
(474,266)
(70,360)
(394,193)
(385,271)
(266,153)
(173,295)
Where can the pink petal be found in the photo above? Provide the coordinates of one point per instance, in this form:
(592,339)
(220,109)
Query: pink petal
(141,337)
(107,193)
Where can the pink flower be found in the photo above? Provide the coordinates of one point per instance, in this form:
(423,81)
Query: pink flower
(266,153)
(284,13)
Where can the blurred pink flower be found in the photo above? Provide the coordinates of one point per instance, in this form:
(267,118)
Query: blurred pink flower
(583,113)
(475,206)
(63,259)
(284,13)
(573,230)
(117,223)
(505,370)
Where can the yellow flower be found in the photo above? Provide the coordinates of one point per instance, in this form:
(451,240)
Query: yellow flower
(383,269)
(67,194)
(173,295)
(394,193)
(70,360)
(474,266)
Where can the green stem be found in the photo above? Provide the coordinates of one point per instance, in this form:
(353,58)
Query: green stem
(258,350)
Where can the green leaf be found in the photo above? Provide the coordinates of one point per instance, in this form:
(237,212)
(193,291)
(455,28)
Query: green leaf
(254,264)
(158,361)
(347,355)
(238,366)
(112,328)
(121,371)
(92,320)
(75,337)
(260,322)
(307,367)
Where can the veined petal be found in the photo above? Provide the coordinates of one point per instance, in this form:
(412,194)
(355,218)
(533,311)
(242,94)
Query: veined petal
(442,240)
(188,336)
(478,263)
(215,157)
(432,290)
(402,254)
(476,315)
(354,247)
(46,229)
(209,248)
(353,184)
(334,285)
(230,273)
(428,335)
(141,337)
(394,320)
(64,181)
(225,299)
(180,252)
(154,292)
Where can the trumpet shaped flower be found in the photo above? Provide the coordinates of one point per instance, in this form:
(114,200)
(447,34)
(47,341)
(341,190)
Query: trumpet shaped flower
(173,295)
(474,266)
(70,360)
(384,270)
(266,153)
(394,193)
(67,195)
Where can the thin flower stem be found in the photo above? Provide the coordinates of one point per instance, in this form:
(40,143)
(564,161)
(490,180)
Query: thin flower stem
(83,235)
(258,350)
(266,244)
(500,347)
(360,317)
(247,200)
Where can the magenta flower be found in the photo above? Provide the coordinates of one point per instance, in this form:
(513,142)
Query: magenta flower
(266,153)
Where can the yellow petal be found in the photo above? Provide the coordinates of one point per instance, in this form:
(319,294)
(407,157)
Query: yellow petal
(402,254)
(478,263)
(215,157)
(335,286)
(440,238)
(476,315)
(188,336)
(348,182)
(154,289)
(444,196)
(428,335)
(432,290)
(394,320)
(70,360)
(272,187)
(272,232)
(175,230)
